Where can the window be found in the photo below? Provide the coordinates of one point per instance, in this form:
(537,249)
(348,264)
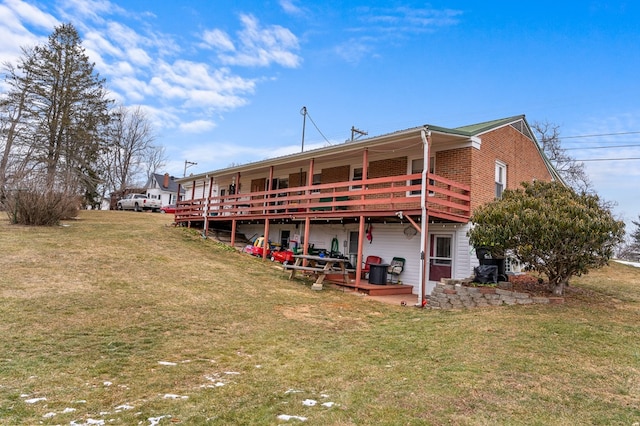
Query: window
(501,178)
(416,167)
(442,250)
(317,180)
(357,176)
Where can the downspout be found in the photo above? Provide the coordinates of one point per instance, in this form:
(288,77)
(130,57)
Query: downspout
(425,134)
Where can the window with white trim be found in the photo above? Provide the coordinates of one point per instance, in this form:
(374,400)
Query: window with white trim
(501,178)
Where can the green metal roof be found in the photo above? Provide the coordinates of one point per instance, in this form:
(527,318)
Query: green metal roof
(476,129)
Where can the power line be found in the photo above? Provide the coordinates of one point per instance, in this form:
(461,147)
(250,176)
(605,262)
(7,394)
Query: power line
(598,135)
(609,159)
(603,147)
(314,125)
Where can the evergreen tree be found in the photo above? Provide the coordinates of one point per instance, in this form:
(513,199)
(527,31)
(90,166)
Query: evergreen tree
(64,115)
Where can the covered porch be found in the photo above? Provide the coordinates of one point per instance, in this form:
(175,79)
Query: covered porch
(355,187)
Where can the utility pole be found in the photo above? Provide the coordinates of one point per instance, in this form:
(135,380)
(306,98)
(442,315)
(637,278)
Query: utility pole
(359,132)
(303,111)
(188,164)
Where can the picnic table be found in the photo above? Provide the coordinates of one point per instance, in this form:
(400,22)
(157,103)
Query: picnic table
(319,266)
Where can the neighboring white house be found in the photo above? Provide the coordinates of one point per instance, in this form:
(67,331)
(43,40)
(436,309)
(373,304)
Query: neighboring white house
(163,188)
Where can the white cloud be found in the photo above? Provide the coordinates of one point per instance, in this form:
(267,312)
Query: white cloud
(197,126)
(92,9)
(198,85)
(407,19)
(218,39)
(31,15)
(15,15)
(260,47)
(289,7)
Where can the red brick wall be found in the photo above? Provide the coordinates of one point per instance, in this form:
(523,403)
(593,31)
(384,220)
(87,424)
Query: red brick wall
(454,164)
(335,174)
(511,147)
(297,179)
(388,167)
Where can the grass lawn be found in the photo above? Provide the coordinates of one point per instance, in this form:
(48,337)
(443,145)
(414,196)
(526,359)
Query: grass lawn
(118,318)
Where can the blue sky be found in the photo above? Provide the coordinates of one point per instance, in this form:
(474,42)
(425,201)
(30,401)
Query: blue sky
(223,82)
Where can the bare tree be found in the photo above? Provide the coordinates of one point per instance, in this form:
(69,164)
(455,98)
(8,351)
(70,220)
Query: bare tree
(130,144)
(571,171)
(12,107)
(155,160)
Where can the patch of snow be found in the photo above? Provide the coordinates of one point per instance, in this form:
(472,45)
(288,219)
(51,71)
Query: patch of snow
(624,262)
(174,396)
(89,422)
(328,404)
(154,421)
(34,400)
(167,363)
(292,391)
(124,407)
(68,410)
(309,402)
(231,372)
(107,383)
(49,415)
(287,417)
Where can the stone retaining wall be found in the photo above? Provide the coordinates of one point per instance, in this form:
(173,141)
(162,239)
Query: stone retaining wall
(453,294)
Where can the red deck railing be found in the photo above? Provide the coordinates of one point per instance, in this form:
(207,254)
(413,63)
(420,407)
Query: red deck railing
(380,197)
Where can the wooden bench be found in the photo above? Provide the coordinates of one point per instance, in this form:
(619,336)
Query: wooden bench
(304,268)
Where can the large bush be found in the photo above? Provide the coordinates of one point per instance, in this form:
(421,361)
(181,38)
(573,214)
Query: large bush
(31,207)
(550,228)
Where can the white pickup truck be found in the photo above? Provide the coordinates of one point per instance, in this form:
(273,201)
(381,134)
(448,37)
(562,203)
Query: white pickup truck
(139,202)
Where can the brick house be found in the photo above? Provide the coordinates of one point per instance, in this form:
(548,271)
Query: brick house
(396,195)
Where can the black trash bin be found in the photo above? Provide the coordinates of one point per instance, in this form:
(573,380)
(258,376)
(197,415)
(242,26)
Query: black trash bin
(500,267)
(486,274)
(378,273)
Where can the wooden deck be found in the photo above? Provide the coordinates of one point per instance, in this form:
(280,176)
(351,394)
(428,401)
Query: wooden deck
(337,280)
(371,289)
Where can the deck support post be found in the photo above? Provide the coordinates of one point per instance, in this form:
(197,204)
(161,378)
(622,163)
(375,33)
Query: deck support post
(266,246)
(206,207)
(360,247)
(233,232)
(307,219)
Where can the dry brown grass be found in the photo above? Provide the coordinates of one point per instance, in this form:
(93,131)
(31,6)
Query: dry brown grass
(92,313)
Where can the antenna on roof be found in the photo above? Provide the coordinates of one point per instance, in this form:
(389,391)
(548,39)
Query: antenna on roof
(359,132)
